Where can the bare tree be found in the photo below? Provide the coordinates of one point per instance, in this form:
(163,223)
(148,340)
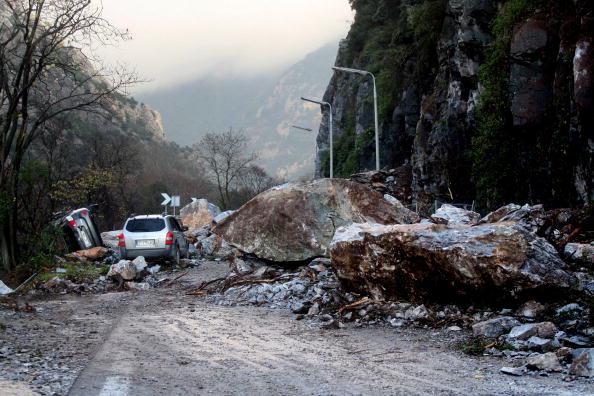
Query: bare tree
(225,156)
(43,74)
(254,180)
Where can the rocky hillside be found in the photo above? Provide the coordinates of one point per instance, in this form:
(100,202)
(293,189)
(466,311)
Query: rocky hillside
(487,100)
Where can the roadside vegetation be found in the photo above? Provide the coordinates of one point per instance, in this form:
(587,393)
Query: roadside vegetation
(70,137)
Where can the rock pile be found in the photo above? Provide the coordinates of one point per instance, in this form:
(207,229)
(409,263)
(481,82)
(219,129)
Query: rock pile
(564,345)
(395,182)
(122,275)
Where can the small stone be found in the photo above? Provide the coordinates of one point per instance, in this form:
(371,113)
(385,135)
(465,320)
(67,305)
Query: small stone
(564,353)
(546,329)
(515,371)
(539,344)
(547,362)
(314,310)
(137,286)
(397,322)
(299,307)
(530,309)
(242,267)
(416,313)
(523,332)
(577,341)
(140,264)
(495,327)
(331,324)
(573,307)
(583,365)
(454,328)
(154,269)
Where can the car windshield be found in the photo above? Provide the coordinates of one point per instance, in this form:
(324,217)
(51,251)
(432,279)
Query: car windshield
(145,225)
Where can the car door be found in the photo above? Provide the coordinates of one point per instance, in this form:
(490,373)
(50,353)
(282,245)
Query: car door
(179,237)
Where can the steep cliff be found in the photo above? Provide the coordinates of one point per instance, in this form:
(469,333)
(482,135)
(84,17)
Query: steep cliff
(487,100)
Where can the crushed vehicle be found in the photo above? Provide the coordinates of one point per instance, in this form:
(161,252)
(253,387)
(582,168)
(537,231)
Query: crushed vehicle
(79,230)
(153,236)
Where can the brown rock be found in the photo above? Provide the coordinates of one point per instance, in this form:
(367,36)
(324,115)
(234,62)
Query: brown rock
(296,221)
(482,263)
(530,309)
(583,365)
(547,362)
(546,329)
(198,214)
(95,253)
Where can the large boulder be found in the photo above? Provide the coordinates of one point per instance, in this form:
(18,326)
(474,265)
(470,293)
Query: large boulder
(464,264)
(198,214)
(296,221)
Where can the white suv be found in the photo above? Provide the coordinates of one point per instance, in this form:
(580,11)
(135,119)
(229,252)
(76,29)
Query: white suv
(153,236)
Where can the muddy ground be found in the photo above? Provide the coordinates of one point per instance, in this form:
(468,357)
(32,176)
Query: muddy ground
(162,342)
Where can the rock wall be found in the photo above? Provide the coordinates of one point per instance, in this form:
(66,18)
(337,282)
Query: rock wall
(431,59)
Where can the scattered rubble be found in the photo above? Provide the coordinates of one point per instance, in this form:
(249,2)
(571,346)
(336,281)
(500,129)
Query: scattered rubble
(296,221)
(395,182)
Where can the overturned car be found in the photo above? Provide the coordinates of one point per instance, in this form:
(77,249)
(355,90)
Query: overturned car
(79,230)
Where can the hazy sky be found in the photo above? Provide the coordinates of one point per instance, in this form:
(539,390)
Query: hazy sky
(179,40)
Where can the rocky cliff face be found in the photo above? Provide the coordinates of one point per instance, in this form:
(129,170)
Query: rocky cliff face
(485,99)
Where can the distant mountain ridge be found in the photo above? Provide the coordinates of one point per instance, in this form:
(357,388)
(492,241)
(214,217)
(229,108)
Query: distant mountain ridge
(265,107)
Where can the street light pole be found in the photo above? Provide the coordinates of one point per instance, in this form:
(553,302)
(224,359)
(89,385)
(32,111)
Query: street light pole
(366,73)
(322,103)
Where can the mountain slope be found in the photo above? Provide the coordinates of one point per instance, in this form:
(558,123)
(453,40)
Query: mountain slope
(264,106)
(486,100)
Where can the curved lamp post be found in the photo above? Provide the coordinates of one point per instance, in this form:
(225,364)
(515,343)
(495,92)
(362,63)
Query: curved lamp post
(302,128)
(366,73)
(322,103)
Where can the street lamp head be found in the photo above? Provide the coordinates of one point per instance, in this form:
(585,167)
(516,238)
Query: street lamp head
(321,103)
(349,70)
(302,128)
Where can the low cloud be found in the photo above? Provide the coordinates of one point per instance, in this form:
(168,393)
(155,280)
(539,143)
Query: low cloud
(183,40)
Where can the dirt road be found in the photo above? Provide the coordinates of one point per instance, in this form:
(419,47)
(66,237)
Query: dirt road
(162,342)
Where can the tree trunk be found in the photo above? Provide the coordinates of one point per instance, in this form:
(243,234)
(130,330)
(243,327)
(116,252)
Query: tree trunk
(8,239)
